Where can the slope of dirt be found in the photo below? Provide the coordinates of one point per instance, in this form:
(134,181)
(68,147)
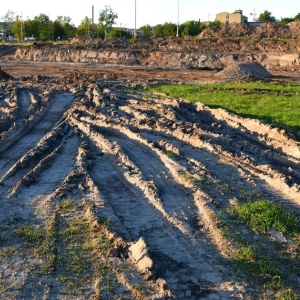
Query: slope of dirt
(268,30)
(108,194)
(219,50)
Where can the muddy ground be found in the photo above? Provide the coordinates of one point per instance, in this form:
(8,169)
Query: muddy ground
(109,193)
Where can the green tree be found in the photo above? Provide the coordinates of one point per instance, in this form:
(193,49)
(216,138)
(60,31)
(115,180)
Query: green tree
(85,27)
(45,27)
(146,30)
(9,19)
(285,21)
(17,28)
(169,29)
(158,30)
(297,17)
(118,33)
(266,16)
(107,18)
(190,28)
(63,27)
(216,24)
(31,29)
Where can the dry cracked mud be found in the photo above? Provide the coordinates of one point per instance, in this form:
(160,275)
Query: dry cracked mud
(106,193)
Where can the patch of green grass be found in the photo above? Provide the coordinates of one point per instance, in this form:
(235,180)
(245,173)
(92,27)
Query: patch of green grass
(67,204)
(263,215)
(273,103)
(259,267)
(171,154)
(31,234)
(191,178)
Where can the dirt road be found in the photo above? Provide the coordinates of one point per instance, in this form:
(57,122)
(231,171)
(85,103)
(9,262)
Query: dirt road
(108,193)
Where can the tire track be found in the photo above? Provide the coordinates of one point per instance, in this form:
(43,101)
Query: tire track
(157,232)
(24,143)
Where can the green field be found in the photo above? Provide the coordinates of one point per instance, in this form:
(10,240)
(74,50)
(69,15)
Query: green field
(274,103)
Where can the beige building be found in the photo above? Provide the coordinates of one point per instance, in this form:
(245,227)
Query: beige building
(235,17)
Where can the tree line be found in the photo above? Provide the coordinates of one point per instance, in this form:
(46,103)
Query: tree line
(42,28)
(266,16)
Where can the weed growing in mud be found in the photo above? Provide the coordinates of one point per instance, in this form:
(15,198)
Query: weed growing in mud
(193,179)
(171,154)
(263,215)
(273,103)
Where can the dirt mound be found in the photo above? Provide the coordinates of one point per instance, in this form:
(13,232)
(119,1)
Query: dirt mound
(4,75)
(268,30)
(294,29)
(272,31)
(228,31)
(254,70)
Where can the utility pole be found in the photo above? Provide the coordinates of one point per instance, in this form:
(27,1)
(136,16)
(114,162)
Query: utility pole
(21,29)
(254,15)
(178,19)
(134,17)
(93,22)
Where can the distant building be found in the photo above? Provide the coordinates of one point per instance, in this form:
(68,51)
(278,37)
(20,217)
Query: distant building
(235,17)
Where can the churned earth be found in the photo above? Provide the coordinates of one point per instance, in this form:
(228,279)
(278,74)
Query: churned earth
(107,192)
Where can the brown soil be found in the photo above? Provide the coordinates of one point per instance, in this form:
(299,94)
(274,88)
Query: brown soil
(268,30)
(125,191)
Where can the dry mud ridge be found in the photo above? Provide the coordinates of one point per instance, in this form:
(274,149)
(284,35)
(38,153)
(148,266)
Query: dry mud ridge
(109,194)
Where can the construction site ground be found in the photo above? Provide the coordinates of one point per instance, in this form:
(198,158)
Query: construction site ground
(109,193)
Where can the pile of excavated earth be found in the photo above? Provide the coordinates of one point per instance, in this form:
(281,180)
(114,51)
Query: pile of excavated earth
(110,192)
(268,30)
(253,70)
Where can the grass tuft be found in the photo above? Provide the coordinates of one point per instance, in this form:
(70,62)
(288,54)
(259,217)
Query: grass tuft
(263,215)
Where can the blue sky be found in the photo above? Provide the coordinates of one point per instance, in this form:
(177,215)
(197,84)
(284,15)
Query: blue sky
(148,11)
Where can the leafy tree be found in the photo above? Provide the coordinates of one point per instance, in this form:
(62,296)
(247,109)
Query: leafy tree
(85,27)
(17,28)
(158,30)
(63,27)
(30,29)
(285,21)
(146,30)
(107,18)
(118,33)
(169,29)
(190,28)
(266,17)
(45,27)
(9,18)
(216,24)
(297,17)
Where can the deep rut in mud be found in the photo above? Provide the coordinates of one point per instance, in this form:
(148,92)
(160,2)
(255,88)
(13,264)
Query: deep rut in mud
(106,194)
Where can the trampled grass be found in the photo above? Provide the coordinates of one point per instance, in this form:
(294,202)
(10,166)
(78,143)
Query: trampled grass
(273,103)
